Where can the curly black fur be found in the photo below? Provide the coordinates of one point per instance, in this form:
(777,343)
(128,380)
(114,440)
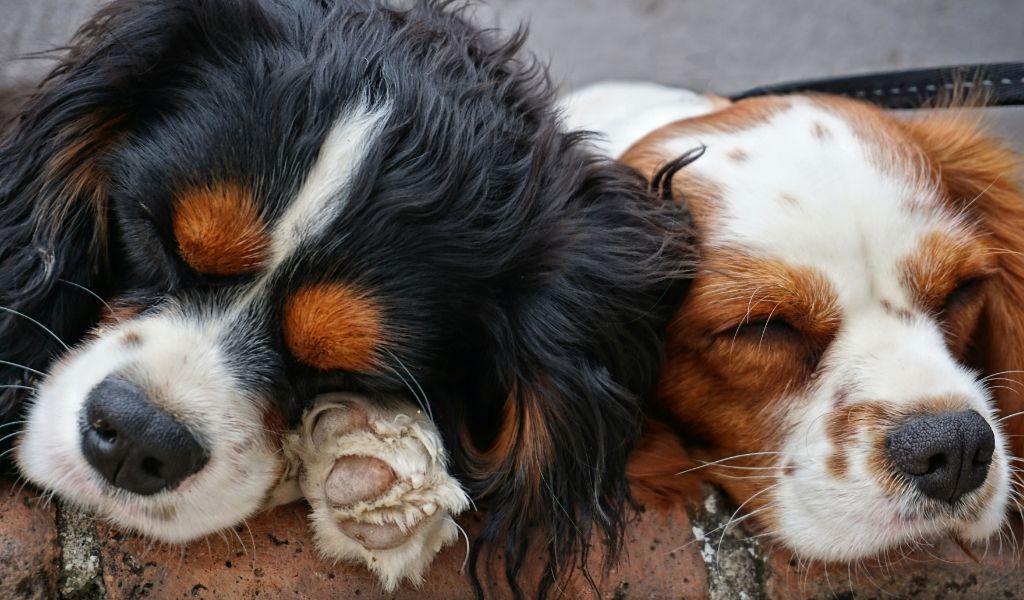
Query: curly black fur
(530,281)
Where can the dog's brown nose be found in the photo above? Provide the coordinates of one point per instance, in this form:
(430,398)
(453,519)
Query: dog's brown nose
(945,455)
(132,443)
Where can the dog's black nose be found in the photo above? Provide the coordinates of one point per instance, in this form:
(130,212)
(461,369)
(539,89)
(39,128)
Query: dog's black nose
(945,455)
(132,443)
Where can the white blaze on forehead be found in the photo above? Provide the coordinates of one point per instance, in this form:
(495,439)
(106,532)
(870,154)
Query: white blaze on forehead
(814,199)
(323,195)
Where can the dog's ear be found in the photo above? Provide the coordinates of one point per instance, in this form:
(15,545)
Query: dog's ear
(576,351)
(661,471)
(54,181)
(982,177)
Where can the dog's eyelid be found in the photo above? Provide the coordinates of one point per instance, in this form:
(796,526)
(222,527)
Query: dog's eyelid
(963,292)
(757,325)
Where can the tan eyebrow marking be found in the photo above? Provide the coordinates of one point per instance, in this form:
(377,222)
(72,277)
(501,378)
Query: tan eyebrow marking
(939,263)
(333,326)
(219,230)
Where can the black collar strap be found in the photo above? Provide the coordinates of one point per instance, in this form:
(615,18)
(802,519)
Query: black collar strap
(1003,85)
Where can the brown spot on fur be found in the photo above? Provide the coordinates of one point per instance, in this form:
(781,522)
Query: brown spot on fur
(739,116)
(333,326)
(903,314)
(738,156)
(219,229)
(114,312)
(820,132)
(844,427)
(844,392)
(836,465)
(701,195)
(275,422)
(789,199)
(934,405)
(275,427)
(891,151)
(131,339)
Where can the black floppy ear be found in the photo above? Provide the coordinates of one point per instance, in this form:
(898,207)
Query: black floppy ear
(576,353)
(54,180)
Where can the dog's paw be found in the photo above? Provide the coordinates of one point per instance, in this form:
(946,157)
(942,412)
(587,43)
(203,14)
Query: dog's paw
(377,480)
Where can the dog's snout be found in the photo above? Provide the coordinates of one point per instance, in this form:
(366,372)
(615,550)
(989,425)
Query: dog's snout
(133,444)
(945,455)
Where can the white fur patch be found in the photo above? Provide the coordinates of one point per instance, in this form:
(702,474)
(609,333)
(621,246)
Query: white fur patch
(322,196)
(623,112)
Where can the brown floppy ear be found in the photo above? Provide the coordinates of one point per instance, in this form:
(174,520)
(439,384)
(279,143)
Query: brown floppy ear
(661,472)
(983,177)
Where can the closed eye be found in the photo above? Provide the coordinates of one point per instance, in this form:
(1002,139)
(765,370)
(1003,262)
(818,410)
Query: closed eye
(774,330)
(962,295)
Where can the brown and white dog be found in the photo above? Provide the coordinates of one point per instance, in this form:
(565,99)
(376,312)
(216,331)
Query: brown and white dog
(846,363)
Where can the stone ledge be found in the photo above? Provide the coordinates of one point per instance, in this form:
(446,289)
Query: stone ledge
(273,557)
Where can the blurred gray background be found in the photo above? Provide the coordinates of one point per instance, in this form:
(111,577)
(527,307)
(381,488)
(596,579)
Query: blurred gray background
(717,45)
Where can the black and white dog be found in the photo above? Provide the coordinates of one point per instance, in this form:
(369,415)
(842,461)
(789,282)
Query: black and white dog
(257,249)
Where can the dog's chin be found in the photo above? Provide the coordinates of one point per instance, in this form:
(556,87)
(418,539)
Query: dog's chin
(205,503)
(244,461)
(845,526)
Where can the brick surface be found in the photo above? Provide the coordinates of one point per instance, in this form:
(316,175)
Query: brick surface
(29,553)
(660,560)
(274,558)
(942,572)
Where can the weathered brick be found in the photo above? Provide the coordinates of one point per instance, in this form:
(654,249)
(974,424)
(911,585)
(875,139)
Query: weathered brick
(29,553)
(942,572)
(658,562)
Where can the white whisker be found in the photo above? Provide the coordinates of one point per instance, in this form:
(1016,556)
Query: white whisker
(38,324)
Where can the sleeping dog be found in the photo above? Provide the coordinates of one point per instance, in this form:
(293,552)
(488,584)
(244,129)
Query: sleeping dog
(846,364)
(252,249)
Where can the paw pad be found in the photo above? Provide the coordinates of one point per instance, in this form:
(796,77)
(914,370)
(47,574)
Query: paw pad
(375,537)
(356,479)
